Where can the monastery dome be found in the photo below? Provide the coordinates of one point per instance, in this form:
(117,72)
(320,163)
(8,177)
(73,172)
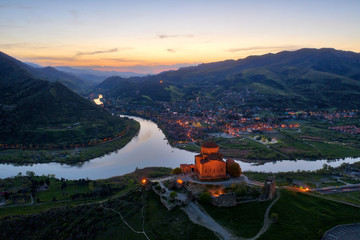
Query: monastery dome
(209,145)
(209,148)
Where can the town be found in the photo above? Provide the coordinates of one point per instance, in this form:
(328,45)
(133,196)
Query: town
(234,120)
(230,114)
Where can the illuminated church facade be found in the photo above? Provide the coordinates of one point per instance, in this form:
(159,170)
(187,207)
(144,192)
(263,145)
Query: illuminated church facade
(209,164)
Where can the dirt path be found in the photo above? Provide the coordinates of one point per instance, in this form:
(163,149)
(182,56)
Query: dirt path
(126,223)
(267,220)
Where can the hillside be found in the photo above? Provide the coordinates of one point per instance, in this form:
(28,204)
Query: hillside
(306,78)
(49,74)
(53,75)
(37,112)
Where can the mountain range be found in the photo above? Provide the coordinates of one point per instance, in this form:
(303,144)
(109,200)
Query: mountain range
(95,76)
(305,78)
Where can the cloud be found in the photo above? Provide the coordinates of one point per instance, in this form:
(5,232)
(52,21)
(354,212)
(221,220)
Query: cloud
(97,52)
(255,48)
(122,60)
(163,36)
(172,50)
(51,58)
(21,45)
(73,13)
(74,16)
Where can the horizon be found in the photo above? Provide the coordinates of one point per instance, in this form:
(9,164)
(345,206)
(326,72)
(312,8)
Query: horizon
(153,70)
(151,37)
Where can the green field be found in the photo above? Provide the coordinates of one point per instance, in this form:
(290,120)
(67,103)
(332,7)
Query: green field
(301,216)
(244,220)
(55,190)
(353,197)
(313,140)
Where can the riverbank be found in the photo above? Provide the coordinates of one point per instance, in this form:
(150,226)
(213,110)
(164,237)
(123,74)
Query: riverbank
(307,143)
(69,156)
(155,152)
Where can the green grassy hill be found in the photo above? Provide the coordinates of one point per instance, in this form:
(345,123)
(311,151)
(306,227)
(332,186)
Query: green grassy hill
(37,112)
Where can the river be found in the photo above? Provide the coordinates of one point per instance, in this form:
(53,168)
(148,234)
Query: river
(149,149)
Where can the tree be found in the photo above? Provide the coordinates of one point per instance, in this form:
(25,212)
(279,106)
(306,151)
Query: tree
(47,181)
(274,217)
(234,170)
(91,186)
(30,174)
(176,171)
(173,195)
(63,185)
(205,197)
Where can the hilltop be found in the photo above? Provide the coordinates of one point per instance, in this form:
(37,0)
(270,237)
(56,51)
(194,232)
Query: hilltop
(306,78)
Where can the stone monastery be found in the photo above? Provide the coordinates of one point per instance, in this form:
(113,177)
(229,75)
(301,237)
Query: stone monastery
(209,164)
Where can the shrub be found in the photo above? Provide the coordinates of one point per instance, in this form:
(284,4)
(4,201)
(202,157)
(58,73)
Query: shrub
(205,197)
(234,170)
(173,195)
(176,171)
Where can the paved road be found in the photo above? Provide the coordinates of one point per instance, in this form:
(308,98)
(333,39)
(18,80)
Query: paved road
(200,217)
(338,189)
(227,182)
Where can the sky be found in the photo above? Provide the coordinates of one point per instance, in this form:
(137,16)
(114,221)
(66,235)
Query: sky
(155,35)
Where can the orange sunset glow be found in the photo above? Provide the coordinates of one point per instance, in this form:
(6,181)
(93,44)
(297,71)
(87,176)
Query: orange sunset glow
(150,37)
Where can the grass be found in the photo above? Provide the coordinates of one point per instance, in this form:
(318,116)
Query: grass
(246,149)
(163,224)
(190,147)
(301,216)
(350,180)
(307,176)
(244,220)
(330,184)
(353,197)
(55,190)
(38,208)
(336,150)
(312,141)
(91,221)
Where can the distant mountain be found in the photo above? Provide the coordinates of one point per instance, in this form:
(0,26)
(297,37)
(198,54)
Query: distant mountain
(35,111)
(33,65)
(53,75)
(96,76)
(305,78)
